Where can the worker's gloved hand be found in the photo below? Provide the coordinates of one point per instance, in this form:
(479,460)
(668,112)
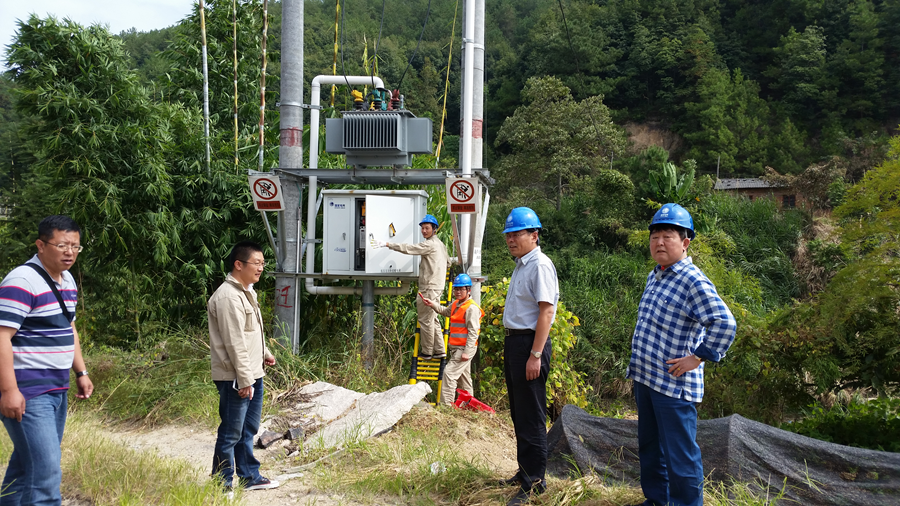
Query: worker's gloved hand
(378,244)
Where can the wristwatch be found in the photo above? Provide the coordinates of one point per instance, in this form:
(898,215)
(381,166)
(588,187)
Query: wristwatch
(535,354)
(81,373)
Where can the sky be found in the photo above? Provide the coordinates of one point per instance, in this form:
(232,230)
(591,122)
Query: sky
(117,15)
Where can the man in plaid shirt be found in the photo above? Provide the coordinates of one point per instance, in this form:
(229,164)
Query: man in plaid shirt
(682,322)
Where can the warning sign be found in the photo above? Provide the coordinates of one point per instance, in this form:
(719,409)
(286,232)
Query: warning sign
(266,191)
(463,196)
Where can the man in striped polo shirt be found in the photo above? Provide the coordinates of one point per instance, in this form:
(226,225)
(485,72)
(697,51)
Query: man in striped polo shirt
(38,346)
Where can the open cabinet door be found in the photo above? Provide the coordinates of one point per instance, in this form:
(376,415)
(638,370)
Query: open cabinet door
(391,219)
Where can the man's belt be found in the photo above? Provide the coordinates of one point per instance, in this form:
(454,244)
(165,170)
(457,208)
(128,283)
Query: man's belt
(518,332)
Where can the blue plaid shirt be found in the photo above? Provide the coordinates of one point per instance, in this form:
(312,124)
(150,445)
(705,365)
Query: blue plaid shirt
(680,314)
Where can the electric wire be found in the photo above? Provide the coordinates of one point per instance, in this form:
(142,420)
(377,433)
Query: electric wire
(578,69)
(440,143)
(421,34)
(377,42)
(343,69)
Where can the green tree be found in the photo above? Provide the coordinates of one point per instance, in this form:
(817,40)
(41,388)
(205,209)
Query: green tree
(858,62)
(128,170)
(555,140)
(800,74)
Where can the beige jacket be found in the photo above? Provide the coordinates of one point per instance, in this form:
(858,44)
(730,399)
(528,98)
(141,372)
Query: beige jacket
(236,342)
(434,263)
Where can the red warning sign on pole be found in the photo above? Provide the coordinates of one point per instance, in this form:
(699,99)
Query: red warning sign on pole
(266,191)
(463,196)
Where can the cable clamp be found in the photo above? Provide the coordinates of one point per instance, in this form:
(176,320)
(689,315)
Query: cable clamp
(474,44)
(296,104)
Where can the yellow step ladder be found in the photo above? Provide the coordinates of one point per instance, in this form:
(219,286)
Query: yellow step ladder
(431,369)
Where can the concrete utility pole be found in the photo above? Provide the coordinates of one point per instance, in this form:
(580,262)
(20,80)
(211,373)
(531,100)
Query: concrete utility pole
(471,129)
(290,156)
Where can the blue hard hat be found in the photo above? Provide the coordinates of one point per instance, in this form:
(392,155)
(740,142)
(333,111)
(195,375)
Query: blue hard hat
(673,214)
(521,218)
(462,280)
(429,219)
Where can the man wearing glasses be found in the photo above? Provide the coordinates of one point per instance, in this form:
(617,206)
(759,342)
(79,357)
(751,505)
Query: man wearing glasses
(528,315)
(239,354)
(38,346)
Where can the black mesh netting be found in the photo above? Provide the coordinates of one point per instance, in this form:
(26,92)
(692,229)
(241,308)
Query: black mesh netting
(734,449)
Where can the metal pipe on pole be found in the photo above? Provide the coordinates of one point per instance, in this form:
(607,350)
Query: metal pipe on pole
(472,145)
(313,202)
(290,156)
(465,155)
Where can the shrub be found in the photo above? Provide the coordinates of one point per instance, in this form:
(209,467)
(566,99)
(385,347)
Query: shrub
(874,424)
(565,385)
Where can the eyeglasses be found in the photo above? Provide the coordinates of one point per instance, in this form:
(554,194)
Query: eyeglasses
(254,264)
(77,248)
(516,235)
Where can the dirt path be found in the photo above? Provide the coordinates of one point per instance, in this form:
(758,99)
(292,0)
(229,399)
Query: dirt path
(493,443)
(196,446)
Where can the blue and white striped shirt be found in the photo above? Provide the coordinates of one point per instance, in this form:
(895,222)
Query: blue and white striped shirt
(680,314)
(44,343)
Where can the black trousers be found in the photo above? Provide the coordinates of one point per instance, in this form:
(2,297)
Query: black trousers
(527,406)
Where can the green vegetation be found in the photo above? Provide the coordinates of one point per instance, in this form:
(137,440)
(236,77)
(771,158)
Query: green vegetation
(871,424)
(108,129)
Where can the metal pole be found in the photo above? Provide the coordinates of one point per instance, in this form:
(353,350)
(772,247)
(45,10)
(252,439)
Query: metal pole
(290,155)
(368,340)
(478,150)
(468,92)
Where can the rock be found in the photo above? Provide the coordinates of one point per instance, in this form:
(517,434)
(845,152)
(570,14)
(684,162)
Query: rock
(267,438)
(370,415)
(294,434)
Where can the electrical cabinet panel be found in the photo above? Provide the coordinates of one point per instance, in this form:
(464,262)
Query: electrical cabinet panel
(356,220)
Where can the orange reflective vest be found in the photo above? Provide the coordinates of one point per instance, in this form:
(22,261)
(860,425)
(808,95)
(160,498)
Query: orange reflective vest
(459,333)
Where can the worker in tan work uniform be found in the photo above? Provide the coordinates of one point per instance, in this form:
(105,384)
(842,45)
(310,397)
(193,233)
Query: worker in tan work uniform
(432,274)
(465,325)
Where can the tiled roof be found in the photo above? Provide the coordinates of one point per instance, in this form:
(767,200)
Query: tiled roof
(742,183)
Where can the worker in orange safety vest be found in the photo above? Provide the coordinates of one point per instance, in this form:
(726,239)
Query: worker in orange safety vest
(465,325)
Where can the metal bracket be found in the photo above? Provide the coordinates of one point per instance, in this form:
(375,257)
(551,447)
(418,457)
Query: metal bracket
(303,106)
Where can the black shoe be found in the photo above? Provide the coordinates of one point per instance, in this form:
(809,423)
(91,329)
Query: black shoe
(509,481)
(523,495)
(424,357)
(440,355)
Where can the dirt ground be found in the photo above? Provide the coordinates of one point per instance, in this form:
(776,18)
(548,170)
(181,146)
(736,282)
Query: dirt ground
(487,438)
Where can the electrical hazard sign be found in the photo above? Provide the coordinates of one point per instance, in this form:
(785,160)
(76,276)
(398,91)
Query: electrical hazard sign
(266,191)
(463,196)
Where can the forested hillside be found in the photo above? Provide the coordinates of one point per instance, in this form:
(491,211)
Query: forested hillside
(109,129)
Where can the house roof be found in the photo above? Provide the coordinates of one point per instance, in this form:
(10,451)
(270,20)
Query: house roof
(743,183)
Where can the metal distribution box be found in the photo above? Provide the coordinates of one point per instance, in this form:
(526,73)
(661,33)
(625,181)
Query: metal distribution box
(354,220)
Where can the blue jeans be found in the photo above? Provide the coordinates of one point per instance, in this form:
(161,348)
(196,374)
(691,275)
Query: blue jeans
(671,465)
(34,473)
(240,423)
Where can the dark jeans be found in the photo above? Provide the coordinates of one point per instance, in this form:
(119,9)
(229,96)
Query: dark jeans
(527,406)
(671,465)
(240,423)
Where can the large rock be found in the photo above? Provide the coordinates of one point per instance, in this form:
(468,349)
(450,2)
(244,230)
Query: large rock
(351,417)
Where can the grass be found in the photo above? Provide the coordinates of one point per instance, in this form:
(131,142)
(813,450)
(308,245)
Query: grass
(426,459)
(109,473)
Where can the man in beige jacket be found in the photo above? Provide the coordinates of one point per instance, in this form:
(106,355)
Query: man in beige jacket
(432,275)
(239,354)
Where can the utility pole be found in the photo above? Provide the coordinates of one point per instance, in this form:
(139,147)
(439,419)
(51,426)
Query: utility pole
(472,130)
(290,156)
